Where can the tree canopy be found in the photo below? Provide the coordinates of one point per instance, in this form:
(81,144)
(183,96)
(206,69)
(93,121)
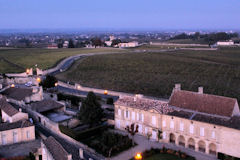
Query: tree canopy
(91,111)
(49,82)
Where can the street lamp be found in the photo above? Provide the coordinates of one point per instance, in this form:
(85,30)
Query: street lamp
(56,84)
(27,71)
(105,92)
(138,156)
(38,80)
(12,85)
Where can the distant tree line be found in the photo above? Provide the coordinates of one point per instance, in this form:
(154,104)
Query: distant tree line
(209,38)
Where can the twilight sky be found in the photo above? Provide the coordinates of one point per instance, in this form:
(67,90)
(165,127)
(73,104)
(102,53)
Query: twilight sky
(122,14)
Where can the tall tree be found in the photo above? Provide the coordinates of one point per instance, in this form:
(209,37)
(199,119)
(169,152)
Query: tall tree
(91,111)
(71,44)
(96,42)
(49,82)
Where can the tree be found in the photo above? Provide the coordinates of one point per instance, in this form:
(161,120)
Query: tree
(159,135)
(96,42)
(71,44)
(91,111)
(49,82)
(116,42)
(132,130)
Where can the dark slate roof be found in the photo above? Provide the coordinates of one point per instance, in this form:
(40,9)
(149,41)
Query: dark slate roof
(7,108)
(144,104)
(181,114)
(46,105)
(18,124)
(205,103)
(18,93)
(55,148)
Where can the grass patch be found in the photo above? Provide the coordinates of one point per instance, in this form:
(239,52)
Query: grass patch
(155,74)
(45,58)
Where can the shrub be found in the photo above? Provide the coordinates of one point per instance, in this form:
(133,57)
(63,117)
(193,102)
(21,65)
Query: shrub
(110,101)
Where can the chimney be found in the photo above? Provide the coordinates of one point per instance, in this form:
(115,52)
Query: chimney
(200,90)
(177,87)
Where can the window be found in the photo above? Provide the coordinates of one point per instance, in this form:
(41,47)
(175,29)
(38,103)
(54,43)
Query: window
(4,139)
(191,129)
(140,128)
(213,135)
(172,124)
(154,122)
(28,134)
(201,131)
(126,113)
(146,130)
(142,117)
(164,135)
(181,127)
(118,123)
(119,112)
(138,116)
(164,123)
(15,138)
(154,134)
(133,116)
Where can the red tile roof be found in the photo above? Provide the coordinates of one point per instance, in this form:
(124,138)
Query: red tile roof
(206,103)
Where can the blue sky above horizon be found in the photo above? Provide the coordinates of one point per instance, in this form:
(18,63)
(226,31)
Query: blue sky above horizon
(139,14)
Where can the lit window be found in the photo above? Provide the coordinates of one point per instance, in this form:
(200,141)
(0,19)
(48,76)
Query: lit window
(164,135)
(181,127)
(191,129)
(133,116)
(154,122)
(119,112)
(164,123)
(201,131)
(171,124)
(213,135)
(28,134)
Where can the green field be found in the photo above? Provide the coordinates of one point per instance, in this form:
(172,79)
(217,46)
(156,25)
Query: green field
(17,60)
(155,74)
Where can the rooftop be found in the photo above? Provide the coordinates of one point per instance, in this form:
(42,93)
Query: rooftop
(144,104)
(46,105)
(55,148)
(18,124)
(7,108)
(200,102)
(18,93)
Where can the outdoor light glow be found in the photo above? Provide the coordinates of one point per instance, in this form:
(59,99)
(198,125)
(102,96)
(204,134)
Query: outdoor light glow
(138,156)
(27,71)
(78,87)
(56,84)
(38,80)
(12,85)
(105,92)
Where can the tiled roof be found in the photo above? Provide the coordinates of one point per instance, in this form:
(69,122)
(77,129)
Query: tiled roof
(18,124)
(144,104)
(7,108)
(55,148)
(206,103)
(46,105)
(18,93)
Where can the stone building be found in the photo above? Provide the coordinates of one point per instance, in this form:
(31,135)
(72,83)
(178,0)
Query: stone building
(9,113)
(52,150)
(202,122)
(20,131)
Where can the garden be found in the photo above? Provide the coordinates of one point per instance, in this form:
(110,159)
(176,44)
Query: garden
(164,154)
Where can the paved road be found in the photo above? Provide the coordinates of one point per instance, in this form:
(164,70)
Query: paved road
(83,93)
(68,146)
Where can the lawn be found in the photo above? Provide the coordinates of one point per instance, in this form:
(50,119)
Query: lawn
(155,74)
(17,60)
